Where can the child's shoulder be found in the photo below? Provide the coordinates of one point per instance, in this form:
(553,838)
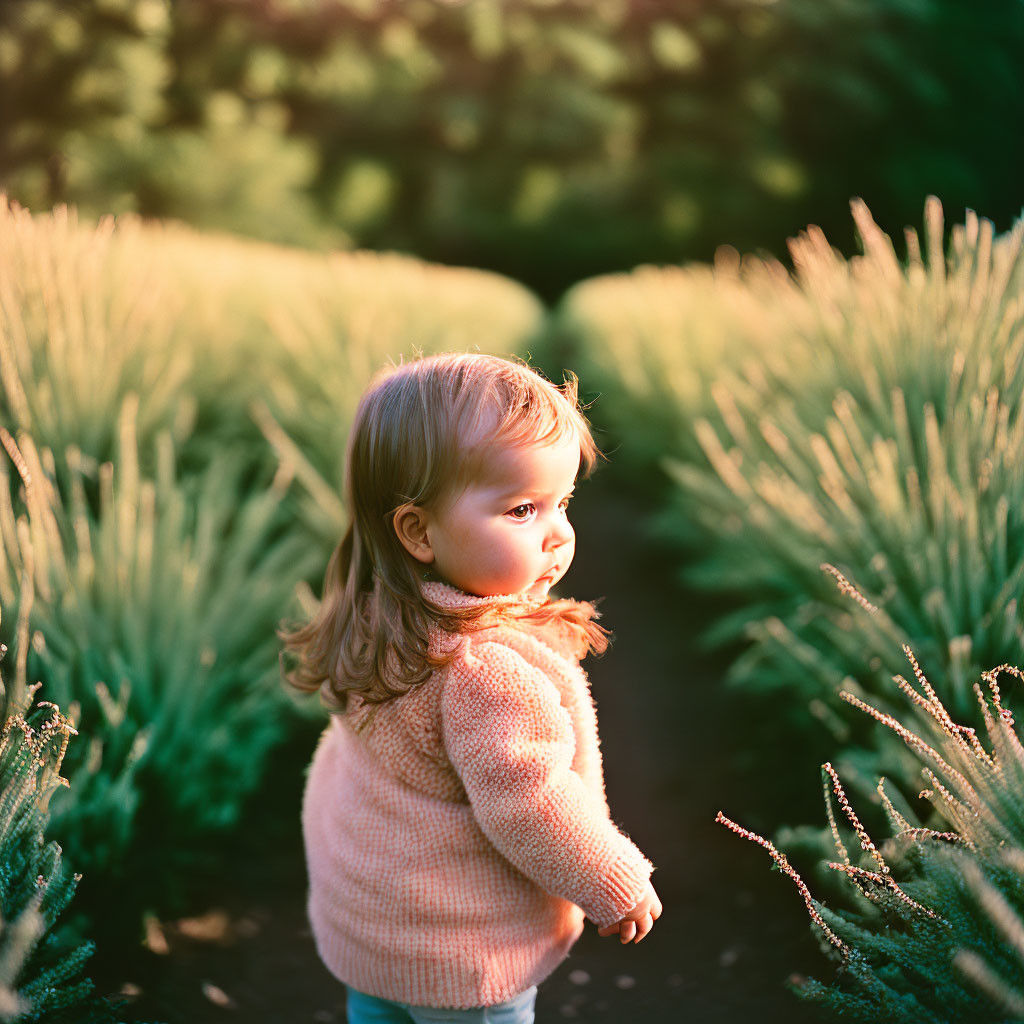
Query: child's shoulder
(507,645)
(545,636)
(487,644)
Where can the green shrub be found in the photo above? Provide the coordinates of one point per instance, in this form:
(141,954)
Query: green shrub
(42,962)
(865,413)
(142,368)
(513,137)
(213,331)
(349,323)
(94,117)
(153,624)
(939,933)
(888,442)
(654,341)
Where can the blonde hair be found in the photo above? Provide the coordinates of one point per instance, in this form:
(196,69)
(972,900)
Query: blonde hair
(421,431)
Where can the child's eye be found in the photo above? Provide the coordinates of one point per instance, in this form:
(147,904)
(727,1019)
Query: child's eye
(526,508)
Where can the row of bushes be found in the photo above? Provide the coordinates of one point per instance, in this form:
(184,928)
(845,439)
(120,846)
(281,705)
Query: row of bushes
(166,390)
(865,413)
(860,413)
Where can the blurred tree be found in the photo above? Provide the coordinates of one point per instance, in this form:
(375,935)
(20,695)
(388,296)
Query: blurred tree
(890,100)
(547,139)
(94,115)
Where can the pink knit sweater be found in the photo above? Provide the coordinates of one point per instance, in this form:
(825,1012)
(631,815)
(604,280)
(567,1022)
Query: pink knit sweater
(454,847)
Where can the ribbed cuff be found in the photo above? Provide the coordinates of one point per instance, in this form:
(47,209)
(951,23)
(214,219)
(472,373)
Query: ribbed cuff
(620,887)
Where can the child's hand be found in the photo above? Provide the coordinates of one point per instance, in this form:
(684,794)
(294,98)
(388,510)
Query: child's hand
(639,921)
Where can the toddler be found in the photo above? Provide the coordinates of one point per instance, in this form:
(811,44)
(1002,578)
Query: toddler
(455,821)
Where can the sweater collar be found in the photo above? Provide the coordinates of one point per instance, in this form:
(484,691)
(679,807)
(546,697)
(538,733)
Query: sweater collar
(449,597)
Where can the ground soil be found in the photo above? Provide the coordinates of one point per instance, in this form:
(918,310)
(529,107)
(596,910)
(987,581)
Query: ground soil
(677,748)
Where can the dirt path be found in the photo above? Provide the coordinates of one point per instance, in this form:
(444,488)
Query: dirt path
(676,750)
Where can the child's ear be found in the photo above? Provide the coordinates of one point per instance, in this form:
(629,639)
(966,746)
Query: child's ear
(411,526)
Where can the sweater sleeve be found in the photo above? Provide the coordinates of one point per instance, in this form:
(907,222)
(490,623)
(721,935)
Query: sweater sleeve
(511,743)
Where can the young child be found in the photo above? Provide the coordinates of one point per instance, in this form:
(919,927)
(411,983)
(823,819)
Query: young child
(455,821)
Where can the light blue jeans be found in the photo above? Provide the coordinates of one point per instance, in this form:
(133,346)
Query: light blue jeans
(366,1009)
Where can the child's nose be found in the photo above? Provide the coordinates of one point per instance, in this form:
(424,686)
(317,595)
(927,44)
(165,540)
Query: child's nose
(561,532)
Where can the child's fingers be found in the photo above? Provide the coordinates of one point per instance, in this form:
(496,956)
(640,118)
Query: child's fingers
(627,930)
(608,929)
(644,925)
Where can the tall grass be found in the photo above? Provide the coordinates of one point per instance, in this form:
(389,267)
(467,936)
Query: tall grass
(865,412)
(654,341)
(160,392)
(87,314)
(226,341)
(365,310)
(153,625)
(889,443)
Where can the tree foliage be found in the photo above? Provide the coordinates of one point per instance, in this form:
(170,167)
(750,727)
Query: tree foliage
(548,139)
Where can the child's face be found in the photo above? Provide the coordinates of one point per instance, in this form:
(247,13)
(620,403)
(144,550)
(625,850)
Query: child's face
(508,532)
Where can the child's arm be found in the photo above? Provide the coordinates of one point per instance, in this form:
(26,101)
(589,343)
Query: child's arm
(512,744)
